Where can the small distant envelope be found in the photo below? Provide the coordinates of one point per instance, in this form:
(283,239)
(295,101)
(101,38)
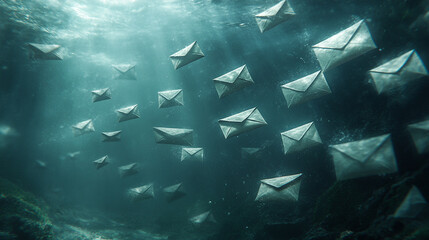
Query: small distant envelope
(174,192)
(170,98)
(251,153)
(73,155)
(111,136)
(205,217)
(192,154)
(176,136)
(368,157)
(241,122)
(300,138)
(305,89)
(233,81)
(45,51)
(83,128)
(273,16)
(128,113)
(398,72)
(284,188)
(187,55)
(420,135)
(128,170)
(142,193)
(101,94)
(101,162)
(344,46)
(412,205)
(125,71)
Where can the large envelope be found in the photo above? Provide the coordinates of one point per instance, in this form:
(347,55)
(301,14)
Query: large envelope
(241,122)
(45,51)
(305,89)
(205,217)
(284,188)
(128,170)
(141,193)
(128,113)
(344,46)
(101,162)
(420,135)
(192,154)
(233,81)
(273,16)
(412,205)
(176,136)
(83,127)
(398,71)
(174,192)
(368,157)
(190,53)
(125,71)
(251,153)
(300,138)
(111,136)
(170,98)
(101,94)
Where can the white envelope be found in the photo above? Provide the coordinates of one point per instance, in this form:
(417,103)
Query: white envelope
(241,122)
(368,157)
(251,153)
(83,127)
(412,205)
(111,136)
(305,89)
(420,135)
(205,217)
(125,71)
(300,138)
(273,16)
(45,51)
(101,94)
(284,188)
(128,113)
(176,136)
(192,154)
(187,55)
(101,162)
(398,72)
(170,98)
(344,46)
(128,170)
(142,192)
(233,81)
(174,192)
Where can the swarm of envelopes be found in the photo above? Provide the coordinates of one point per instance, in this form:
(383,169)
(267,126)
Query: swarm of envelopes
(128,113)
(101,162)
(141,193)
(251,153)
(128,170)
(83,127)
(125,71)
(412,205)
(284,188)
(300,138)
(206,217)
(173,193)
(420,135)
(187,55)
(176,136)
(111,136)
(45,51)
(192,154)
(170,98)
(241,122)
(233,81)
(273,16)
(101,94)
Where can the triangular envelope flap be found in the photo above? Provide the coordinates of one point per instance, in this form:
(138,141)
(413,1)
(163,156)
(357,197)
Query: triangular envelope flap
(195,50)
(129,166)
(414,196)
(299,132)
(192,151)
(45,48)
(100,92)
(239,117)
(127,110)
(101,160)
(231,76)
(170,94)
(183,52)
(123,68)
(341,39)
(172,131)
(83,124)
(142,189)
(272,11)
(201,217)
(394,65)
(174,188)
(363,149)
(281,181)
(420,125)
(302,84)
(111,134)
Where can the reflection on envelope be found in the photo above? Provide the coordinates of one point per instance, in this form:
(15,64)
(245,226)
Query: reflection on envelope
(170,98)
(273,16)
(284,188)
(305,89)
(174,192)
(128,170)
(251,153)
(101,162)
(128,113)
(205,217)
(241,122)
(300,138)
(187,55)
(83,128)
(344,46)
(420,135)
(372,156)
(125,71)
(111,136)
(45,51)
(101,94)
(398,71)
(141,193)
(176,136)
(412,205)
(192,154)
(233,81)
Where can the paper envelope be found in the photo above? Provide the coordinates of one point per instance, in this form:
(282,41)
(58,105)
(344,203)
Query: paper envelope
(273,16)
(83,128)
(174,192)
(205,217)
(142,193)
(305,89)
(398,71)
(128,170)
(176,136)
(284,188)
(187,55)
(128,113)
(241,122)
(368,157)
(192,154)
(251,153)
(101,162)
(300,138)
(233,81)
(420,135)
(170,98)
(111,136)
(344,46)
(125,71)
(45,51)
(412,205)
(101,94)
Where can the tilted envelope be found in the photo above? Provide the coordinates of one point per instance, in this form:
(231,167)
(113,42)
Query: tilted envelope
(251,153)
(141,193)
(273,16)
(101,94)
(174,192)
(233,81)
(420,135)
(205,217)
(192,154)
(300,138)
(284,188)
(101,162)
(305,89)
(128,170)
(128,113)
(125,71)
(111,136)
(45,51)
(412,205)
(187,55)
(368,157)
(83,127)
(170,98)
(344,46)
(176,136)
(398,72)
(241,122)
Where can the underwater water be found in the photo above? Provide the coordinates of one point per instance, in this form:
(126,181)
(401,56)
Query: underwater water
(363,162)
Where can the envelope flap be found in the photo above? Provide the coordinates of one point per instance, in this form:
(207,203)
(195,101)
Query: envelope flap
(192,151)
(100,92)
(394,65)
(123,68)
(420,125)
(174,188)
(142,189)
(101,160)
(183,52)
(128,167)
(280,182)
(172,131)
(83,124)
(201,217)
(45,48)
(169,95)
(302,84)
(341,39)
(274,10)
(127,110)
(111,134)
(231,76)
(414,196)
(239,117)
